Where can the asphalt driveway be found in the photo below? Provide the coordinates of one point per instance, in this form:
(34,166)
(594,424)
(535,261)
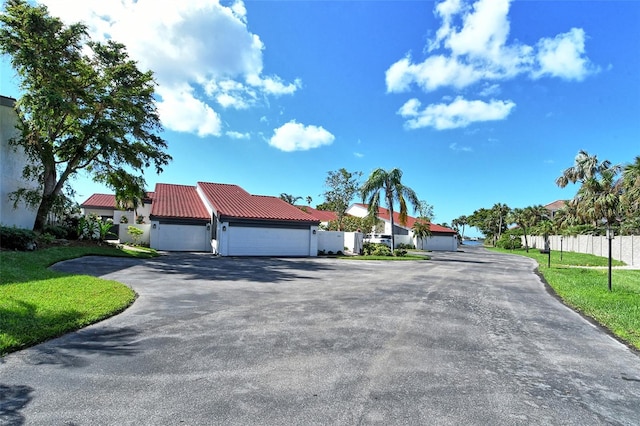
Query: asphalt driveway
(468,338)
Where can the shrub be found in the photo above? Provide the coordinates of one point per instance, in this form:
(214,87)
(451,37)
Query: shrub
(140,220)
(57,231)
(509,241)
(135,233)
(376,249)
(17,238)
(124,219)
(399,252)
(406,246)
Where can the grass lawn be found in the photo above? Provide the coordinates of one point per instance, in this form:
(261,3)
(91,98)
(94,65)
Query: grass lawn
(37,304)
(586,290)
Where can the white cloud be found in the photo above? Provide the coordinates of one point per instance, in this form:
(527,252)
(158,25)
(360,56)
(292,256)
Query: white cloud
(180,111)
(294,136)
(358,154)
(563,56)
(201,44)
(474,41)
(237,135)
(457,114)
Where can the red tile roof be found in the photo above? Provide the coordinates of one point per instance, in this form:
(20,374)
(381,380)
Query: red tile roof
(384,215)
(321,215)
(100,201)
(178,201)
(231,201)
(108,201)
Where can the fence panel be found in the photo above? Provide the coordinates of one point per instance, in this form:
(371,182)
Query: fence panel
(625,248)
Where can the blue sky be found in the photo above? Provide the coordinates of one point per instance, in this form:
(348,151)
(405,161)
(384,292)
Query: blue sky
(477,102)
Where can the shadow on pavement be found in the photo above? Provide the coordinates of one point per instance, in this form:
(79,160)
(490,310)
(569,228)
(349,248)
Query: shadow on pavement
(13,398)
(73,348)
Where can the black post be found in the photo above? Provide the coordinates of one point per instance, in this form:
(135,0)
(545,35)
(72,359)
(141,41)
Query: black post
(549,258)
(561,248)
(610,237)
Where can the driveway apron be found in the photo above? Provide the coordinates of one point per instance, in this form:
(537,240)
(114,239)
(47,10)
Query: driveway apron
(471,337)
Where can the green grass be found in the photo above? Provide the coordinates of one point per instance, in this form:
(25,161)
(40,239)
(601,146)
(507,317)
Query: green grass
(586,290)
(37,304)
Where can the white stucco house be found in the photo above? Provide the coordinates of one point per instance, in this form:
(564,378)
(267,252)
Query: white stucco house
(441,239)
(220,218)
(12,161)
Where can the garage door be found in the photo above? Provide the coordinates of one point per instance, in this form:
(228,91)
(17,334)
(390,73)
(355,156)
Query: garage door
(183,238)
(255,241)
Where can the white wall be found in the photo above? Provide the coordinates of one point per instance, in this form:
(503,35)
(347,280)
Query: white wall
(11,165)
(353,241)
(125,238)
(331,241)
(438,243)
(625,248)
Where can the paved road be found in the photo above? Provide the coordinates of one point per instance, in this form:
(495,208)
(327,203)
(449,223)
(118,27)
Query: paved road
(467,338)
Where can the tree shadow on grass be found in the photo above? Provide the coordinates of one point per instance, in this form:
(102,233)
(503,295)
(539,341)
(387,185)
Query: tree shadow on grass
(13,398)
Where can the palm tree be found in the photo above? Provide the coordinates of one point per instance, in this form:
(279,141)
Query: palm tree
(389,185)
(585,167)
(461,221)
(631,186)
(291,199)
(421,229)
(599,194)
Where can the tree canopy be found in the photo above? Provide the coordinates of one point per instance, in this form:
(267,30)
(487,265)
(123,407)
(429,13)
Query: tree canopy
(342,186)
(85,106)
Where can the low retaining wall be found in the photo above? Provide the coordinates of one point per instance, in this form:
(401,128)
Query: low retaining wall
(625,248)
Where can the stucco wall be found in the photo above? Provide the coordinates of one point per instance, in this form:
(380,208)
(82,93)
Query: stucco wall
(12,161)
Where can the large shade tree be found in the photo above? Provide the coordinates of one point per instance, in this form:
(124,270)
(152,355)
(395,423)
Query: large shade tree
(85,106)
(387,186)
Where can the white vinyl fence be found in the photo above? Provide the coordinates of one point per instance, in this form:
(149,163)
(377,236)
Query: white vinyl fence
(625,248)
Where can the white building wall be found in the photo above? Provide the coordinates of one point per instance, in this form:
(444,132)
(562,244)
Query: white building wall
(125,237)
(12,161)
(330,241)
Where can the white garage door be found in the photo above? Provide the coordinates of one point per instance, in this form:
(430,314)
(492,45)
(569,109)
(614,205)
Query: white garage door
(183,238)
(254,241)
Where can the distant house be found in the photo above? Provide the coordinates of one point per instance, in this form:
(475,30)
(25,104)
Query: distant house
(441,239)
(324,216)
(223,219)
(554,207)
(12,161)
(104,205)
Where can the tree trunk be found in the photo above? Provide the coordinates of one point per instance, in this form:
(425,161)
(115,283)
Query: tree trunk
(49,194)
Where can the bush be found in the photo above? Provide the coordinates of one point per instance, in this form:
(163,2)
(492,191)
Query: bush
(57,231)
(376,249)
(399,252)
(406,246)
(509,241)
(17,238)
(135,233)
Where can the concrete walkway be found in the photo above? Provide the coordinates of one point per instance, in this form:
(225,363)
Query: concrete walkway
(467,338)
